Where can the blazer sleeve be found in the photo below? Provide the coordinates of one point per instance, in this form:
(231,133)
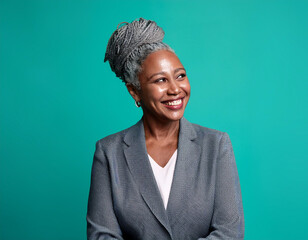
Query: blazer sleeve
(102,223)
(228,217)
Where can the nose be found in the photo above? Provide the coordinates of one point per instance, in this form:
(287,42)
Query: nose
(173,88)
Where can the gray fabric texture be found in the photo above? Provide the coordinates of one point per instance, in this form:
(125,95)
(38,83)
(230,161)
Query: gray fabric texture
(205,200)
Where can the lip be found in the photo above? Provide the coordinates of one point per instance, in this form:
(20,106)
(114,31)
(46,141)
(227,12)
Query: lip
(174,107)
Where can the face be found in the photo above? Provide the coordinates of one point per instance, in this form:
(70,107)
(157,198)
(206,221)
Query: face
(165,88)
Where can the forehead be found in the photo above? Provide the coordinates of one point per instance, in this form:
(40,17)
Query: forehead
(162,60)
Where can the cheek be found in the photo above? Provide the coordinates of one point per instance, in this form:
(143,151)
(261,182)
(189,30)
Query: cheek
(186,86)
(152,94)
(155,92)
(161,89)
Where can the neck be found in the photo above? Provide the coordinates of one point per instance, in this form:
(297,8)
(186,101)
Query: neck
(160,130)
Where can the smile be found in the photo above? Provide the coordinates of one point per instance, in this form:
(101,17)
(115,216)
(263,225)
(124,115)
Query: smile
(174,103)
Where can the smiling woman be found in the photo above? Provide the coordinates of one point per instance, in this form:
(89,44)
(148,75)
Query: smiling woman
(164,93)
(164,87)
(164,177)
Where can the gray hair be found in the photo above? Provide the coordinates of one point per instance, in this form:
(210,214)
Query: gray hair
(129,46)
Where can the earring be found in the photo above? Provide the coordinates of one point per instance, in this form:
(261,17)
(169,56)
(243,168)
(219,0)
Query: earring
(138,104)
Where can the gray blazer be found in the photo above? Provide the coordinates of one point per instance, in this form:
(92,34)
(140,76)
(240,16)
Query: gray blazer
(205,198)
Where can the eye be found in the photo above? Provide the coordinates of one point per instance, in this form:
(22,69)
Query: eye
(159,80)
(181,76)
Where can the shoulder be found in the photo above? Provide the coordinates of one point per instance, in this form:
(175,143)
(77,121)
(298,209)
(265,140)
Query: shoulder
(212,141)
(113,140)
(209,135)
(203,131)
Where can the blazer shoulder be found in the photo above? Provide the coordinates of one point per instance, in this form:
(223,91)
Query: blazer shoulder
(212,138)
(112,139)
(205,132)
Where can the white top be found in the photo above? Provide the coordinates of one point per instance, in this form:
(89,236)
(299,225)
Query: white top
(164,176)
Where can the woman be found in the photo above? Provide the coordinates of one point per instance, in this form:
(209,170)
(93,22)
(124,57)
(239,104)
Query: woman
(164,177)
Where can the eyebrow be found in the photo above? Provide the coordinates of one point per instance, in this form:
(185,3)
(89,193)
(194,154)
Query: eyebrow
(159,73)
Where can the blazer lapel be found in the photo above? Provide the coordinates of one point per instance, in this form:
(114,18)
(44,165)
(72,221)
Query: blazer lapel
(185,171)
(139,165)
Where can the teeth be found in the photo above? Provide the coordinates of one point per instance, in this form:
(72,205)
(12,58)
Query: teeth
(176,102)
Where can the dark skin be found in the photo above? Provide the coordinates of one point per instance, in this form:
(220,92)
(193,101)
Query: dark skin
(164,93)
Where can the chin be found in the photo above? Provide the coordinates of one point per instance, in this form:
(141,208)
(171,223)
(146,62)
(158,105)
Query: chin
(175,117)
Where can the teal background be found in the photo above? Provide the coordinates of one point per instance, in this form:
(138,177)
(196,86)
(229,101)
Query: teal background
(247,62)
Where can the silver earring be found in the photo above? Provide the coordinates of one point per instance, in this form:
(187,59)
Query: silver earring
(138,104)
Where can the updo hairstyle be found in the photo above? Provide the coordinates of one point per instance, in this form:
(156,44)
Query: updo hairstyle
(130,44)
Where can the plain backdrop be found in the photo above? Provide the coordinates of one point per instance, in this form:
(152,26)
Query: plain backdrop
(247,62)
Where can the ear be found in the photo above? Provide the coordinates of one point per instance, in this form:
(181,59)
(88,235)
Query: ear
(133,92)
